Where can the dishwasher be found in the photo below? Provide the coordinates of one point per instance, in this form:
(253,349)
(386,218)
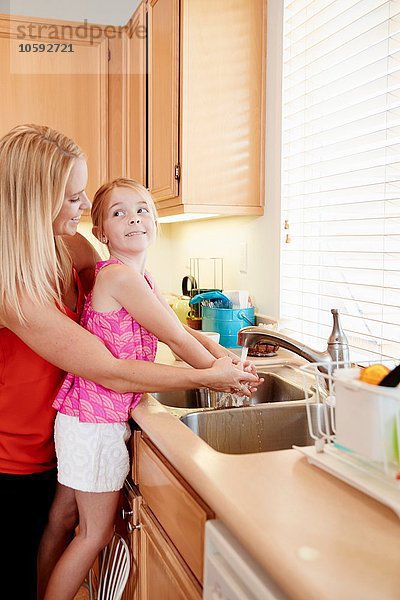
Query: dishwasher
(230,572)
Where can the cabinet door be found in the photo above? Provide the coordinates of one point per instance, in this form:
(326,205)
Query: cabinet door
(136,96)
(163,573)
(64,90)
(180,511)
(127,525)
(163,97)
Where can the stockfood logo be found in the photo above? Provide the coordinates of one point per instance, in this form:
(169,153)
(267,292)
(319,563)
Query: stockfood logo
(38,47)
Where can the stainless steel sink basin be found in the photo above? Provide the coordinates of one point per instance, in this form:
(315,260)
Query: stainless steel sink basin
(254,429)
(282,383)
(274,388)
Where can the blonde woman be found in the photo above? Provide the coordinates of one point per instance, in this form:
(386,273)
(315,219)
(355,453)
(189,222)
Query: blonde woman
(45,270)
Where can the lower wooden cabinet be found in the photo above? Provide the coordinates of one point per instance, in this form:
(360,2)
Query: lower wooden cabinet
(163,573)
(162,519)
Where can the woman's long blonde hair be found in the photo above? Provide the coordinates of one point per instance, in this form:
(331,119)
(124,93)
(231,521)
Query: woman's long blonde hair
(35,163)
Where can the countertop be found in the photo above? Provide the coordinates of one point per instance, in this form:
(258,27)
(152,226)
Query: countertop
(317,537)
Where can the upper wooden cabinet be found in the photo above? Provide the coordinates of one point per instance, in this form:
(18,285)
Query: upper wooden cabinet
(206,106)
(163,99)
(64,90)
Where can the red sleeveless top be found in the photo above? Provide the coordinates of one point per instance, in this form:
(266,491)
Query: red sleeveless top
(28,386)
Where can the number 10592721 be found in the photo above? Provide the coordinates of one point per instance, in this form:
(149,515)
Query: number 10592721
(45,48)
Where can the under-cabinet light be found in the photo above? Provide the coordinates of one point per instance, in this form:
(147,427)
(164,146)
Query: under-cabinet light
(185,217)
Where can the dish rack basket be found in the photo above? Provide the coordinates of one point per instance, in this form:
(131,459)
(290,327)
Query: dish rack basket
(356,429)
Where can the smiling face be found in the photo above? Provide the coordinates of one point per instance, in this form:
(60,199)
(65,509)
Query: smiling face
(75,200)
(128,224)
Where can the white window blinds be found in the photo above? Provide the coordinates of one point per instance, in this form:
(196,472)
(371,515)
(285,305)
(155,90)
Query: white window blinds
(341,172)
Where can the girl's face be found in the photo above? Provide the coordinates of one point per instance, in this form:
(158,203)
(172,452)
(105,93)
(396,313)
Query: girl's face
(128,224)
(75,200)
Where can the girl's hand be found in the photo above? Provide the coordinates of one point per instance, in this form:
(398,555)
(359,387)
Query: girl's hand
(249,367)
(224,376)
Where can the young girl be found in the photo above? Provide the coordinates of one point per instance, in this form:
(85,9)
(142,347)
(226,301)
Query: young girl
(126,311)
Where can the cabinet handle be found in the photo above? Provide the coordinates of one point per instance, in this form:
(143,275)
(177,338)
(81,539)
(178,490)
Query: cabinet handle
(126,513)
(132,528)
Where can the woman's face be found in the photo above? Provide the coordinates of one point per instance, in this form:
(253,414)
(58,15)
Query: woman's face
(75,200)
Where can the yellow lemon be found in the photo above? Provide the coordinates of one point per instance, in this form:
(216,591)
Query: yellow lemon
(373,374)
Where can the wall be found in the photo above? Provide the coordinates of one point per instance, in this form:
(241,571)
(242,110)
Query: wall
(116,12)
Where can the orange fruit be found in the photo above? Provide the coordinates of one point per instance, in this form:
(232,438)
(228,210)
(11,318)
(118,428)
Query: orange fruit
(373,374)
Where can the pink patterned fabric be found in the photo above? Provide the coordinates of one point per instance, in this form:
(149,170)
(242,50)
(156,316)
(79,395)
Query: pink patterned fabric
(125,338)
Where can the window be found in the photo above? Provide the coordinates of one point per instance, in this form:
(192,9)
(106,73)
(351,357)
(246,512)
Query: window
(341,172)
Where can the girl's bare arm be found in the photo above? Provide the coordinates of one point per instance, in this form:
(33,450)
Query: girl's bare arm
(132,292)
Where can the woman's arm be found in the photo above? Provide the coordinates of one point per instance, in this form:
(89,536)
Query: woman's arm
(64,343)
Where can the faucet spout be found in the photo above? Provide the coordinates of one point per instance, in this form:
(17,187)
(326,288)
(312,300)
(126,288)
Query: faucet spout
(249,336)
(337,350)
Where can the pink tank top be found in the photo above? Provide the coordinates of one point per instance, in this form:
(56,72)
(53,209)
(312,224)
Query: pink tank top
(125,338)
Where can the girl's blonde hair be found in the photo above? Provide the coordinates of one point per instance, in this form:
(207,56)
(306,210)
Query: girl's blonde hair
(35,163)
(99,203)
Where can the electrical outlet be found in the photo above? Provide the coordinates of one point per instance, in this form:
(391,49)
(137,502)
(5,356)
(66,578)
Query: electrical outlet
(243,257)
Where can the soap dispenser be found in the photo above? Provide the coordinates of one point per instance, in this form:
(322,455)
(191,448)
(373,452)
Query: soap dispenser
(338,345)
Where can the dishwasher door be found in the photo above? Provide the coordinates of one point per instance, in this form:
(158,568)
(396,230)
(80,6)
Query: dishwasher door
(230,572)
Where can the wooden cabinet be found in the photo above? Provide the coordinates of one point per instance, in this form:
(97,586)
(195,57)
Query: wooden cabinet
(163,521)
(64,90)
(206,106)
(163,573)
(177,507)
(163,99)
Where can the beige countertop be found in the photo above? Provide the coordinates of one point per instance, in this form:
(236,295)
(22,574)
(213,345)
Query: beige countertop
(317,537)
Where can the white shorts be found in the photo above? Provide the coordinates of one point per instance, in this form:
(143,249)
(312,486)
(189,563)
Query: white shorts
(92,457)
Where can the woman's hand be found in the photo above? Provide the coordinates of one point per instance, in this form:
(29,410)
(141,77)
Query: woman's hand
(224,376)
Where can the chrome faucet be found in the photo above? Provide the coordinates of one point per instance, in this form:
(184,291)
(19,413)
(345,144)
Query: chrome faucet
(337,350)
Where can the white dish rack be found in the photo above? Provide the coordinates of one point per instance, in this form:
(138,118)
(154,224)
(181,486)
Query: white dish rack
(356,432)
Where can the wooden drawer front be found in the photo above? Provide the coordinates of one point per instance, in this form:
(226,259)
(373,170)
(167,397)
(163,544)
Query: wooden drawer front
(176,506)
(163,573)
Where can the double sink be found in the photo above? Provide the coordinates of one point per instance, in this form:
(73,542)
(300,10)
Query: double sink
(274,418)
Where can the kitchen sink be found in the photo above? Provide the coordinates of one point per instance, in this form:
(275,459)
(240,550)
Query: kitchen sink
(255,429)
(282,383)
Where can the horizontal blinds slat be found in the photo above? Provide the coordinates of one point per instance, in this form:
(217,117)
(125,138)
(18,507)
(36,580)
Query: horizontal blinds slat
(356,89)
(327,102)
(341,20)
(314,145)
(335,48)
(333,133)
(294,196)
(307,165)
(346,56)
(344,76)
(352,211)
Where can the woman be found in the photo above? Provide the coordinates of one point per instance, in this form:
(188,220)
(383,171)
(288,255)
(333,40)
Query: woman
(43,272)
